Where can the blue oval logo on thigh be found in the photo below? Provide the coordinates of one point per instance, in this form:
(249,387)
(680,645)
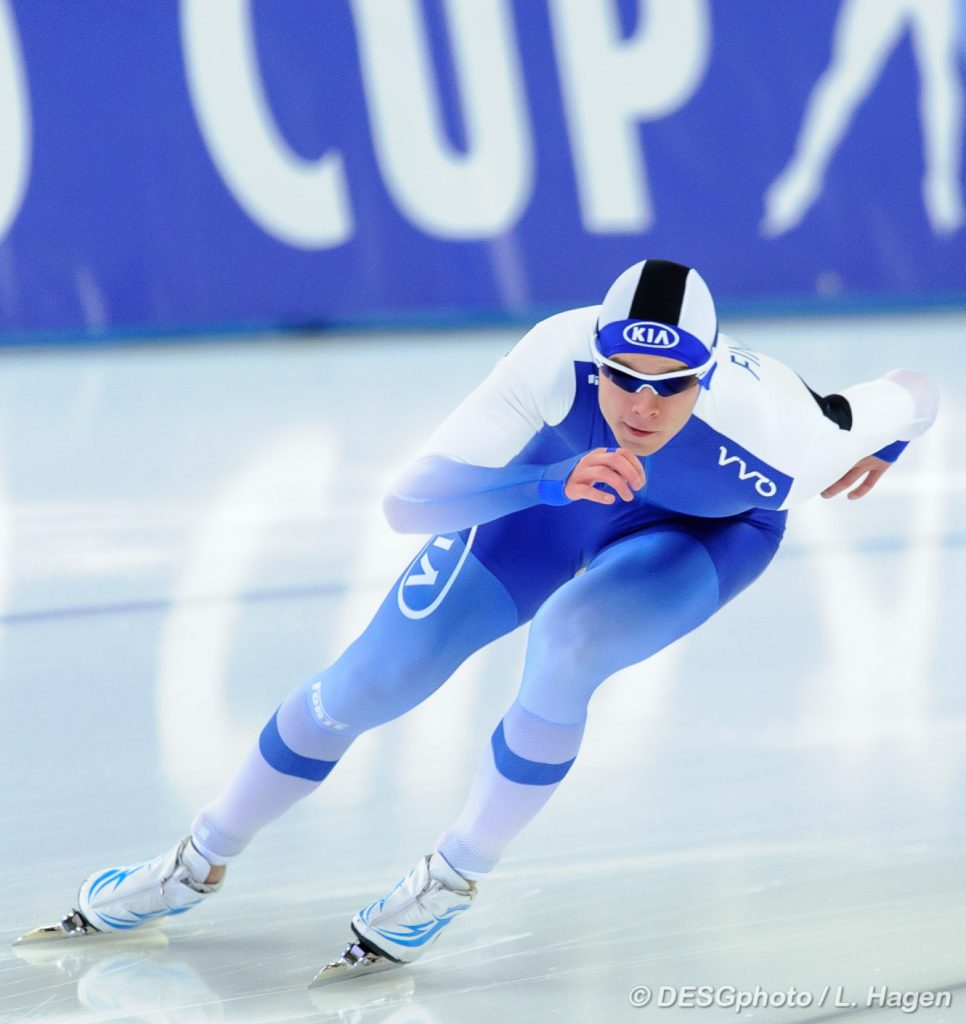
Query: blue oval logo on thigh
(433,572)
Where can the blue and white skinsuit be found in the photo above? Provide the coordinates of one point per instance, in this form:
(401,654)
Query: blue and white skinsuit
(508,548)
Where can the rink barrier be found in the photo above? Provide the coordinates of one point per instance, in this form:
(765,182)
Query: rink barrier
(258,167)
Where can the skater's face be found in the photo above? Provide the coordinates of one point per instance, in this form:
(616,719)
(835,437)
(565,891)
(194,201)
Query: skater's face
(644,422)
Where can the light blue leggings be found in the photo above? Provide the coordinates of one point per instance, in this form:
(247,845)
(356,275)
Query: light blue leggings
(636,595)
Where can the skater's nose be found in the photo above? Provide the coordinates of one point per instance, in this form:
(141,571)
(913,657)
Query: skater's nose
(646,402)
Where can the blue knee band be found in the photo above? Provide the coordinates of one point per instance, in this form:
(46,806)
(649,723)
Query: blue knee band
(519,769)
(285,760)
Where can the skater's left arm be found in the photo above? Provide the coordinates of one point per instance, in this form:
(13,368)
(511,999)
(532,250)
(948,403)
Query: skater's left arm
(883,416)
(869,470)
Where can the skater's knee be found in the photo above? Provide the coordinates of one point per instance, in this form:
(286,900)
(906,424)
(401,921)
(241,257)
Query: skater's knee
(371,691)
(566,641)
(566,662)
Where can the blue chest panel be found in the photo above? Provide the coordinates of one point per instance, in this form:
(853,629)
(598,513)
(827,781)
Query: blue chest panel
(699,472)
(704,473)
(582,429)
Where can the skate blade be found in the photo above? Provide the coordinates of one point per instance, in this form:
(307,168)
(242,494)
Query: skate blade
(73,926)
(355,962)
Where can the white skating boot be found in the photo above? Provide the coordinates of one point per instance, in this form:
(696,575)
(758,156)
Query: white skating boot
(123,898)
(401,926)
(119,899)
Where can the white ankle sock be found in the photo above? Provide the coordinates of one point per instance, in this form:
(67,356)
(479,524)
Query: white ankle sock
(194,861)
(441,869)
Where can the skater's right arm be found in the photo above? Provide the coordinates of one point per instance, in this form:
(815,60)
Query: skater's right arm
(465,474)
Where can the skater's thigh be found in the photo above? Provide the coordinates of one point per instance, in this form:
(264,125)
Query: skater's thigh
(445,606)
(540,549)
(638,595)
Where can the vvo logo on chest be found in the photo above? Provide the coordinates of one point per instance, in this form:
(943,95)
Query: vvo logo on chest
(648,334)
(765,487)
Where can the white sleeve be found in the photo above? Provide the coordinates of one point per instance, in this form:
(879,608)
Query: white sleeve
(900,406)
(531,386)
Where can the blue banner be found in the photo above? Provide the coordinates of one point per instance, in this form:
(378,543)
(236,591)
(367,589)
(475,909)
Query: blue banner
(173,165)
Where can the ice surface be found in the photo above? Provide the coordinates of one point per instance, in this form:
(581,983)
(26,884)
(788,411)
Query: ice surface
(187,532)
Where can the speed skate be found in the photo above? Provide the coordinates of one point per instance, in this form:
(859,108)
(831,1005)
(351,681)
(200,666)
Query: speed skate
(116,900)
(357,961)
(73,926)
(401,926)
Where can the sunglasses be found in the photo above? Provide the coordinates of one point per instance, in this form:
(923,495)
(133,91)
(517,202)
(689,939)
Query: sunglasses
(664,385)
